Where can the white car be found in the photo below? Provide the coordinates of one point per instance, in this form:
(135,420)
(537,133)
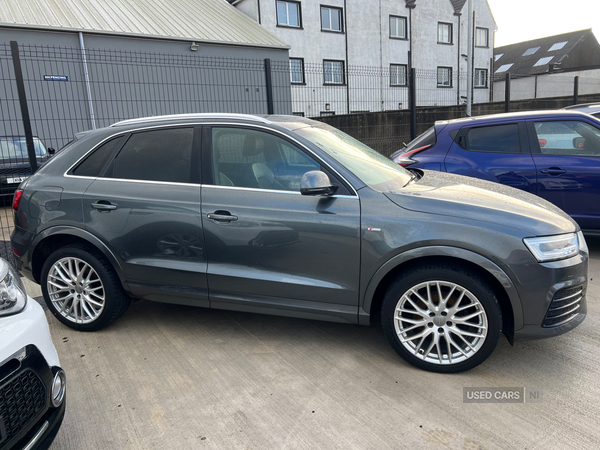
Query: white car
(32,384)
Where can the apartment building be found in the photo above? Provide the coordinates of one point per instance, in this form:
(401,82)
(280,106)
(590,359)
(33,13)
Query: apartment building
(359,52)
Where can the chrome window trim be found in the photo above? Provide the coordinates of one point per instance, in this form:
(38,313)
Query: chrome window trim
(193,124)
(276,191)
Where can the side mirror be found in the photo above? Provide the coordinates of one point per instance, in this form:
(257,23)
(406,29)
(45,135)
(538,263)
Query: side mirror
(578,142)
(316,182)
(51,151)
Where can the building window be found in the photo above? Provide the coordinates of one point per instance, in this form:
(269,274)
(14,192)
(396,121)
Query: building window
(444,33)
(481,78)
(398,27)
(397,74)
(331,19)
(288,14)
(444,76)
(333,72)
(482,37)
(297,71)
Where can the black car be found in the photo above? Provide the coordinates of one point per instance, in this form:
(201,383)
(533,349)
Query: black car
(14,161)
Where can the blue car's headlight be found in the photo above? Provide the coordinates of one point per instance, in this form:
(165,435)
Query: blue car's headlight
(553,248)
(13,297)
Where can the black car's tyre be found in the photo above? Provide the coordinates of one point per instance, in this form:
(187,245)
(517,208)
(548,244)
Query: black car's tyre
(81,288)
(441,318)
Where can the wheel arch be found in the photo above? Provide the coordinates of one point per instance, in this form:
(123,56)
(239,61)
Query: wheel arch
(499,281)
(56,237)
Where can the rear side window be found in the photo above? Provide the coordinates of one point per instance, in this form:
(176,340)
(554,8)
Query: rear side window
(94,163)
(495,139)
(158,155)
(427,139)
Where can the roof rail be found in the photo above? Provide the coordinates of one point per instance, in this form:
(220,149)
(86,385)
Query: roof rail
(189,117)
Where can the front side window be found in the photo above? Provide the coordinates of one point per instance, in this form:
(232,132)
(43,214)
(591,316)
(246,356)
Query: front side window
(297,70)
(481,78)
(444,33)
(157,155)
(333,72)
(331,19)
(255,159)
(568,137)
(397,74)
(398,27)
(288,14)
(496,139)
(370,167)
(481,37)
(15,147)
(444,76)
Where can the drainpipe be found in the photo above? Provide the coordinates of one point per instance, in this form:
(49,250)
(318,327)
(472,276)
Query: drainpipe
(470,61)
(347,62)
(87,81)
(458,15)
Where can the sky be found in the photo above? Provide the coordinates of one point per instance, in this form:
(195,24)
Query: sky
(522,20)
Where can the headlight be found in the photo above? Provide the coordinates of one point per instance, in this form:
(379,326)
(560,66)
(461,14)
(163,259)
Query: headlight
(553,248)
(12,292)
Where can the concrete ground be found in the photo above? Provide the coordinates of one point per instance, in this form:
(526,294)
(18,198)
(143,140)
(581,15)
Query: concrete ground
(166,377)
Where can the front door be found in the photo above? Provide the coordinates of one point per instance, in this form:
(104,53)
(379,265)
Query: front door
(271,249)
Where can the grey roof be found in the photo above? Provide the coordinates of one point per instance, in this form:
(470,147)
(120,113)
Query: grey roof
(563,51)
(214,21)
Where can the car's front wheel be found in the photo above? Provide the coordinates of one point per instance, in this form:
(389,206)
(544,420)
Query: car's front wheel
(81,288)
(441,318)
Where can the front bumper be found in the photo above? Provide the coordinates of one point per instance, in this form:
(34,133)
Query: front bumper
(554,301)
(28,364)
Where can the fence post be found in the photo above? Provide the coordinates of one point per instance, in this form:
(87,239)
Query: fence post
(14,50)
(412,99)
(507,93)
(269,84)
(576,90)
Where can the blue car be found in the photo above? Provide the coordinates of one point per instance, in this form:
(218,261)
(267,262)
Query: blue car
(553,154)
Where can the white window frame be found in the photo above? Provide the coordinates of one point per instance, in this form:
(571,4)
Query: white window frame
(398,74)
(445,83)
(287,4)
(395,28)
(478,34)
(328,69)
(478,78)
(301,72)
(443,28)
(331,10)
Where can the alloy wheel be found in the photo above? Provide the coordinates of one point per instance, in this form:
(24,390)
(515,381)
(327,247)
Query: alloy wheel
(440,322)
(76,290)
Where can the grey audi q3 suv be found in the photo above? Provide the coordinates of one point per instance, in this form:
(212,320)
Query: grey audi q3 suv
(288,216)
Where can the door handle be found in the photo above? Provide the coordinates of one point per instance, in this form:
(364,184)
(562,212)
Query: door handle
(222,217)
(553,171)
(103,205)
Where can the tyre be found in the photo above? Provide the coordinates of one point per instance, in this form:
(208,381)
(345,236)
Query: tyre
(441,318)
(82,289)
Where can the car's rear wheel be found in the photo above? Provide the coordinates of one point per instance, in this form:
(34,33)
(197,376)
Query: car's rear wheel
(81,288)
(442,319)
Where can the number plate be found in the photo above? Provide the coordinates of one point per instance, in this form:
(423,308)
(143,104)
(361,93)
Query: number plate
(13,180)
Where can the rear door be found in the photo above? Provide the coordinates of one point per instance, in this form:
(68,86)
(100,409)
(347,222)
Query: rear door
(495,152)
(145,207)
(567,158)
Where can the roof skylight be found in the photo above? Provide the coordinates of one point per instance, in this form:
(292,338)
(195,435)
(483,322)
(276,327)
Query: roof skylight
(504,67)
(497,57)
(543,61)
(557,46)
(531,51)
